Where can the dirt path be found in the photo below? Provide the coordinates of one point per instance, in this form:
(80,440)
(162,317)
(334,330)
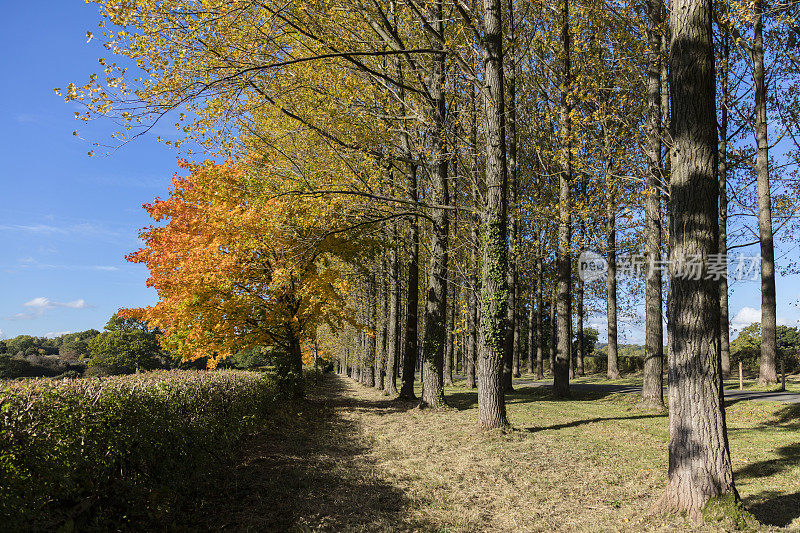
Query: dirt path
(310,472)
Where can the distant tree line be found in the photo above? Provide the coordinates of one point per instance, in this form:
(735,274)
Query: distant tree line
(746,348)
(125,346)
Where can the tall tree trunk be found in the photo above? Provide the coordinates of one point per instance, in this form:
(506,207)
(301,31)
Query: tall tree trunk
(766,372)
(296,362)
(393,342)
(494,295)
(724,317)
(539,312)
(472,318)
(433,341)
(699,459)
(450,355)
(411,333)
(411,347)
(515,349)
(564,270)
(580,314)
(473,315)
(399,325)
(667,164)
(553,330)
(419,360)
(362,356)
(571,336)
(652,377)
(509,369)
(370,340)
(382,323)
(611,279)
(531,323)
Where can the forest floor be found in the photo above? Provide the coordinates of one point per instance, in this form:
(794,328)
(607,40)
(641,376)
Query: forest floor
(351,459)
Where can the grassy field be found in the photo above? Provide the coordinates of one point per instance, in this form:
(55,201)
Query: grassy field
(353,460)
(749,382)
(792,384)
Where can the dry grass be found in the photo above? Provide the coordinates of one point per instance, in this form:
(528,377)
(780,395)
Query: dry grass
(355,460)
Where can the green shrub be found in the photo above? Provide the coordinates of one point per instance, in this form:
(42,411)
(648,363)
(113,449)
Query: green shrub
(125,352)
(596,364)
(85,452)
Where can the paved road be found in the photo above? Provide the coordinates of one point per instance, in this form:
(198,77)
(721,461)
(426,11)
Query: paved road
(730,394)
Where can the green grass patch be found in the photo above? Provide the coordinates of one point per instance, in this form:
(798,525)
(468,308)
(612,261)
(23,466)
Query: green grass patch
(591,463)
(751,384)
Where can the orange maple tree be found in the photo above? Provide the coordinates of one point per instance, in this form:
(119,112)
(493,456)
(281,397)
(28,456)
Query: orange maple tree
(241,264)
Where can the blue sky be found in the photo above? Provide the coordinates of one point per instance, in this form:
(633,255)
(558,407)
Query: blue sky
(67,220)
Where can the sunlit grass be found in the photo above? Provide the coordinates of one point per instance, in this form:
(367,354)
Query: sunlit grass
(592,463)
(356,460)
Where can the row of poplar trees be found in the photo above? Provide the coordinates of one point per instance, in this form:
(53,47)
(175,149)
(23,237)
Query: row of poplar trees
(494,140)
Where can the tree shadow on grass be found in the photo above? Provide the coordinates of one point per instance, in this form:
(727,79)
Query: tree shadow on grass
(311,471)
(789,416)
(576,423)
(462,400)
(528,394)
(789,457)
(337,396)
(774,508)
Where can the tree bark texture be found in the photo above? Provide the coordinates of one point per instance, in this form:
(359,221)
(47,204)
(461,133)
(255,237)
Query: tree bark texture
(411,347)
(433,343)
(767,372)
(564,269)
(724,317)
(494,293)
(611,280)
(699,459)
(652,380)
(393,342)
(539,314)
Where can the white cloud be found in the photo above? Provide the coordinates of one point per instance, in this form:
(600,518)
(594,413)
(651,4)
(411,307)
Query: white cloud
(751,315)
(43,229)
(80,303)
(83,230)
(24,316)
(41,304)
(46,303)
(745,317)
(38,302)
(54,334)
(30,262)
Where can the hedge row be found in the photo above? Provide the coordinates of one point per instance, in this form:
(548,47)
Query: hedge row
(593,364)
(85,453)
(625,364)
